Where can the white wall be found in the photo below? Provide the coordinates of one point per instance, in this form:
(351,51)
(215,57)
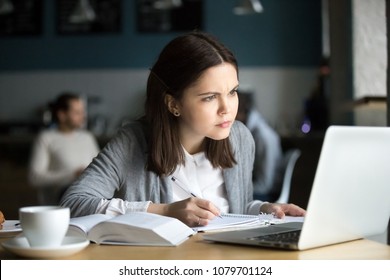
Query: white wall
(369,48)
(280,92)
(369,59)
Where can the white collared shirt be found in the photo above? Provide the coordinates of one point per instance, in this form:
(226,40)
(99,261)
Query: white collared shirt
(202,179)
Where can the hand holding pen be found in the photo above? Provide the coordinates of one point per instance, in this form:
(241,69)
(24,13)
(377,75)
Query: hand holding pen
(187,190)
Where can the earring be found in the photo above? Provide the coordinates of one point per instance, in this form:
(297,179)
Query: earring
(176,113)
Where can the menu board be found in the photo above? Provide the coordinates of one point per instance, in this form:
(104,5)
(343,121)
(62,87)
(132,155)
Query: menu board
(20,17)
(154,18)
(88,16)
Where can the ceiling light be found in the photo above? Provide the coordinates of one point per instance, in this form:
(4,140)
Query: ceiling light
(6,7)
(245,7)
(167,4)
(83,13)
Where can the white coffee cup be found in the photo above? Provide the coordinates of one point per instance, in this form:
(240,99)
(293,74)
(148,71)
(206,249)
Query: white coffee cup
(44,226)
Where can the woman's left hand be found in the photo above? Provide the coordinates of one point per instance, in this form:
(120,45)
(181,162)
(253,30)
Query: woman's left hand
(280,210)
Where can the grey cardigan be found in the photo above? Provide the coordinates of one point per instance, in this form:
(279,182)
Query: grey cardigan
(119,172)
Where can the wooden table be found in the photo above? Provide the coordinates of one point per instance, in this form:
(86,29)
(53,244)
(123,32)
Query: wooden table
(196,248)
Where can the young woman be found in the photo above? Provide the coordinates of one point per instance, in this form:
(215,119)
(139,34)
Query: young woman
(187,157)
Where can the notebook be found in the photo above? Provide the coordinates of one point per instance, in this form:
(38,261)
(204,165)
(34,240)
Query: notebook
(229,221)
(349,199)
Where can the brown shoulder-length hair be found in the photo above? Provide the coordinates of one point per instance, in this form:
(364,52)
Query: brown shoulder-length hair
(179,65)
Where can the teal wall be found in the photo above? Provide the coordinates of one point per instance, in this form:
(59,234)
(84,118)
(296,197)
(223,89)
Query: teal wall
(288,33)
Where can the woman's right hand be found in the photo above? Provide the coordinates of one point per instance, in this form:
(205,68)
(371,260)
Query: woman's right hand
(192,211)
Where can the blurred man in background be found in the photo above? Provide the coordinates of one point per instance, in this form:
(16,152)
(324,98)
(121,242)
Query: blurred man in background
(62,152)
(267,169)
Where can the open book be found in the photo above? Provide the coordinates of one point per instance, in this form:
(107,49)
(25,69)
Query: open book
(138,228)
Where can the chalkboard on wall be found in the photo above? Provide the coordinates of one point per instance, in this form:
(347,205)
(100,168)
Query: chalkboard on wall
(88,16)
(20,17)
(157,16)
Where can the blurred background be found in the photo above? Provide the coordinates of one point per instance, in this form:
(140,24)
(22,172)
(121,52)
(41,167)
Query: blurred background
(330,55)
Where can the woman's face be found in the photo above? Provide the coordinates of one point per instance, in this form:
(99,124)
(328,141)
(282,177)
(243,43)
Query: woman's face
(208,107)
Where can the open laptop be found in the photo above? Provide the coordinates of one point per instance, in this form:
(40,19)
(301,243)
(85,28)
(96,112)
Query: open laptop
(349,200)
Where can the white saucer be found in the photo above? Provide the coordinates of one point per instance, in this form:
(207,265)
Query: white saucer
(10,228)
(70,245)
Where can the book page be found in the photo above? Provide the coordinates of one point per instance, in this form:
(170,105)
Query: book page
(82,225)
(141,228)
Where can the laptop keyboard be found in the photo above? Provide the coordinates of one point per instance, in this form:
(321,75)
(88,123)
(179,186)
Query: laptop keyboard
(284,237)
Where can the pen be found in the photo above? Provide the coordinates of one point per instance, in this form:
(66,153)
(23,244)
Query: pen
(180,185)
